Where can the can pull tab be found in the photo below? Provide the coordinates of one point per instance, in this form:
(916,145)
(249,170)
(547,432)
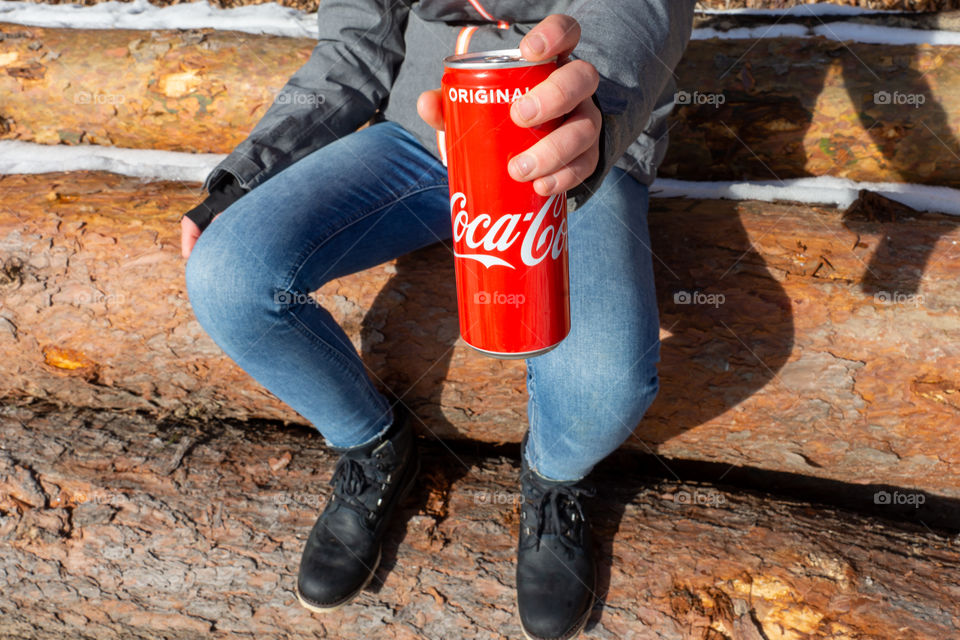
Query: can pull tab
(500,58)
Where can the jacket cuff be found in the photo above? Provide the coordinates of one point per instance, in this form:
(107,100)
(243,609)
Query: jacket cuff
(244,170)
(578,196)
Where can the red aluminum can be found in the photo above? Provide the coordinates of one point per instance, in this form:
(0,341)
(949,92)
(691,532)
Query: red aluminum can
(510,243)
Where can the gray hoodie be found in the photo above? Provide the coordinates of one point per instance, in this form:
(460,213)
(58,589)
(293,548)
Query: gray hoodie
(374,57)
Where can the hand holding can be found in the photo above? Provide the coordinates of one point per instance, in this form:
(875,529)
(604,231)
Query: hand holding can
(568,155)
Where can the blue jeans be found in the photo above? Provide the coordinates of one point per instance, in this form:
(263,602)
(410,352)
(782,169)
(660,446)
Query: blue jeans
(372,196)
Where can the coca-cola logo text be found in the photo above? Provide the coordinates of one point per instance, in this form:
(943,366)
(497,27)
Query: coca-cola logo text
(546,235)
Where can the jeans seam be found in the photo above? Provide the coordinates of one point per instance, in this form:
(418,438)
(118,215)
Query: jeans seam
(534,414)
(306,254)
(357,375)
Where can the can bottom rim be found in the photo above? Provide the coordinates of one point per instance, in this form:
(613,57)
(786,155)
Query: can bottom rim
(510,356)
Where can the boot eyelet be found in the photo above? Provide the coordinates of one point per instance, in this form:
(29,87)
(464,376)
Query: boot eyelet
(379,501)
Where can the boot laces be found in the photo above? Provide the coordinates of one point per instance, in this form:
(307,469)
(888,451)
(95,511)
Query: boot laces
(558,511)
(352,478)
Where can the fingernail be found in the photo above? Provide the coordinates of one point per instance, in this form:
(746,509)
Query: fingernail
(537,43)
(526,108)
(547,183)
(522,165)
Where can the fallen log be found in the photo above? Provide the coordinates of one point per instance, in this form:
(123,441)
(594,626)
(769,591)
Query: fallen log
(767,109)
(887,5)
(185,90)
(795,338)
(114,526)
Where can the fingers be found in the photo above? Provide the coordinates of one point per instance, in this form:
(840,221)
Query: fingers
(570,175)
(429,108)
(564,157)
(555,35)
(558,95)
(189,233)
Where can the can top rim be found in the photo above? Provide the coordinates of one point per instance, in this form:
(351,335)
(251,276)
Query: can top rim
(494,59)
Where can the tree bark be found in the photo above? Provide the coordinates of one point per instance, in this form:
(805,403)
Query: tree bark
(795,338)
(114,526)
(770,109)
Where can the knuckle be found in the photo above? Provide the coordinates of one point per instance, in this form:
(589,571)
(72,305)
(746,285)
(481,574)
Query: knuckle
(589,74)
(554,90)
(583,166)
(556,149)
(593,74)
(566,22)
(585,131)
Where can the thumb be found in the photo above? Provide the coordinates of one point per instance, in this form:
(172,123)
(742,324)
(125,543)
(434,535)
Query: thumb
(189,232)
(429,106)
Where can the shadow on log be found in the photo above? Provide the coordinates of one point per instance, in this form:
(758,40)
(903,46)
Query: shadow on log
(728,330)
(773,356)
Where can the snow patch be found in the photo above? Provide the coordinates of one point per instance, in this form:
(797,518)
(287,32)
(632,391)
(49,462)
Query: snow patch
(269,18)
(29,157)
(827,190)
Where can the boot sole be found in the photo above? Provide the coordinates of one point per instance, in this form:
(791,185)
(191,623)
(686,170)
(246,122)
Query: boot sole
(579,626)
(327,608)
(316,608)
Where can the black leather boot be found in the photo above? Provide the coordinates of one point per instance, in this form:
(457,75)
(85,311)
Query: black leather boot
(556,574)
(343,549)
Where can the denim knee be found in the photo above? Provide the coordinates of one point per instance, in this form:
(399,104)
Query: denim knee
(613,398)
(231,291)
(593,397)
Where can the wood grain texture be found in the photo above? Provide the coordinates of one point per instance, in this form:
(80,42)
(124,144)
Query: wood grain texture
(116,526)
(790,107)
(815,341)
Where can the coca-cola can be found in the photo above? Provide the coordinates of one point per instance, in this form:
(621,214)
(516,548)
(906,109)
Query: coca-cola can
(510,243)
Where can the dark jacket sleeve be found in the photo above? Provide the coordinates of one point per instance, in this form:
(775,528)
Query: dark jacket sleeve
(635,46)
(350,72)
